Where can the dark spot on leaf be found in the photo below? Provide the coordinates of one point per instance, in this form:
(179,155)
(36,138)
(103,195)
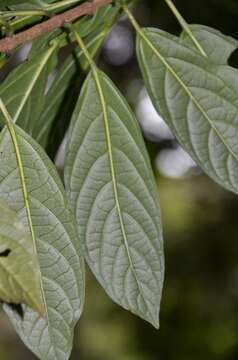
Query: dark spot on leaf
(17,308)
(233,59)
(5,253)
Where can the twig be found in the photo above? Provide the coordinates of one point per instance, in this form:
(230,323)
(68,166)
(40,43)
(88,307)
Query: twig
(11,42)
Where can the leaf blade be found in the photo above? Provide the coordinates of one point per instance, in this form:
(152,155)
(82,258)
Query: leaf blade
(196,98)
(99,198)
(46,215)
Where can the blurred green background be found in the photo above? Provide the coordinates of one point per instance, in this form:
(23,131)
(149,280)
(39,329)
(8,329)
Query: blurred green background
(199,311)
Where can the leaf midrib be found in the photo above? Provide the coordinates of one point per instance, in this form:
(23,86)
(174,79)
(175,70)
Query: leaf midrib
(96,76)
(186,89)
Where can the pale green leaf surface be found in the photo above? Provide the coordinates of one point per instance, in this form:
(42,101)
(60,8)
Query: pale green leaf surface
(197,97)
(57,247)
(23,90)
(19,275)
(110,182)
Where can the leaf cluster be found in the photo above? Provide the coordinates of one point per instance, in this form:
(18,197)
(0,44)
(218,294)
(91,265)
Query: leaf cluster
(105,210)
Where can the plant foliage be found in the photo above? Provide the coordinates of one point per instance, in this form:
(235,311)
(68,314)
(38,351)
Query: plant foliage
(106,210)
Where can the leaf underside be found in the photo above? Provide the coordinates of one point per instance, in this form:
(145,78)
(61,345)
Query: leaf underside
(196,96)
(110,182)
(57,246)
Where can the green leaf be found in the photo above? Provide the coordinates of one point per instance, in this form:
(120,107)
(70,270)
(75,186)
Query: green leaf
(197,97)
(112,190)
(19,273)
(23,90)
(30,185)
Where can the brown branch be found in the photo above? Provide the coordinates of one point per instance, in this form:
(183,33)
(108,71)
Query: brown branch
(11,42)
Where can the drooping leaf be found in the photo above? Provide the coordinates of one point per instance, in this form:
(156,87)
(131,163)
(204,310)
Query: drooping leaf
(110,183)
(30,185)
(196,96)
(19,273)
(23,89)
